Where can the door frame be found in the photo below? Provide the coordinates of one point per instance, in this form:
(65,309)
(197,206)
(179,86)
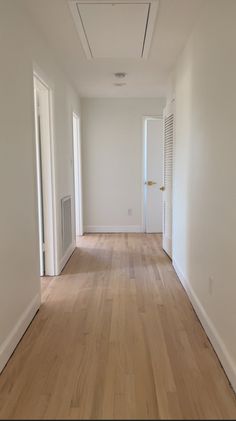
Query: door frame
(144,163)
(77,174)
(43,88)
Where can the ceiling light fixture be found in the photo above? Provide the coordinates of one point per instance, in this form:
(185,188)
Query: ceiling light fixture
(119,84)
(120,75)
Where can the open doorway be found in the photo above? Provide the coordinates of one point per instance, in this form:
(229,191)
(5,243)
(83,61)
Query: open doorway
(77,176)
(45,180)
(153,174)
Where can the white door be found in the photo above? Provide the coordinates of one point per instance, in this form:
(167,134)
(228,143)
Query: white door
(168,177)
(77,176)
(153,174)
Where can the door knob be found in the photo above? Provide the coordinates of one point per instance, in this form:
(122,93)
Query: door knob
(162,188)
(150,183)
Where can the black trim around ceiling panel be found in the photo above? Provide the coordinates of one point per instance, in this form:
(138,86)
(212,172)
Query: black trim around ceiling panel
(85,33)
(111,2)
(145,33)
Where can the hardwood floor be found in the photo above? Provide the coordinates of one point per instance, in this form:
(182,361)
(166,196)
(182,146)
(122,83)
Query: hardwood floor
(116,337)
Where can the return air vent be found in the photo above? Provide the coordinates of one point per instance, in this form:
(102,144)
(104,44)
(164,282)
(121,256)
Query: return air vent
(115,29)
(66,223)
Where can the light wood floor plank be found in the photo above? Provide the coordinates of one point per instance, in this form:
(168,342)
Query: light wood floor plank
(115,338)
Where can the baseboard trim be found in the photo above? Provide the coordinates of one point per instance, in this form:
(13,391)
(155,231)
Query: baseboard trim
(211,331)
(10,343)
(66,257)
(112,229)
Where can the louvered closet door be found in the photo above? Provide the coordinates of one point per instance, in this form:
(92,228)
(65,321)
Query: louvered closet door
(168,177)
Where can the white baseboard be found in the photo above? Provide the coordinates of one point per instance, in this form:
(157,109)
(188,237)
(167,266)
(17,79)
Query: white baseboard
(66,257)
(111,229)
(10,343)
(211,331)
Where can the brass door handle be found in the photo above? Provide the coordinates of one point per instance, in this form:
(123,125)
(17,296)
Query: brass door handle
(162,188)
(150,183)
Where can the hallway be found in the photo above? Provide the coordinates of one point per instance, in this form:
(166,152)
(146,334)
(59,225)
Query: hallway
(116,337)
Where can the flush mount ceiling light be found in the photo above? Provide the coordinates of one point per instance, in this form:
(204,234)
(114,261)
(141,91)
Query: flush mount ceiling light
(119,84)
(120,75)
(121,32)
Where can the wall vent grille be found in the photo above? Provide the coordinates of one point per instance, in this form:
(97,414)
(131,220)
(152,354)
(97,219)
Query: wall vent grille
(66,223)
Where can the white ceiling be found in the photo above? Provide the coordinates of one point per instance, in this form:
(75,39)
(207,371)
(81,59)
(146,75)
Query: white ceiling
(95,78)
(113,30)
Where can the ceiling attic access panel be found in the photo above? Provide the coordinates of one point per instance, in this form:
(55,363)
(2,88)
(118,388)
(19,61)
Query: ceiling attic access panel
(115,29)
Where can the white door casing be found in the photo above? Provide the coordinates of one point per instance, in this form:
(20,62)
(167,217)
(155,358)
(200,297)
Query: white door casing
(45,176)
(77,175)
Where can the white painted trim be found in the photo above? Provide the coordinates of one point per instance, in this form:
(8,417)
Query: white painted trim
(111,229)
(80,28)
(66,256)
(38,182)
(169,108)
(10,343)
(144,128)
(152,16)
(51,249)
(53,170)
(144,137)
(154,7)
(77,174)
(42,76)
(211,331)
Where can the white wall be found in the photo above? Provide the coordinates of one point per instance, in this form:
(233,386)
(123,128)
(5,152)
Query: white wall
(20,46)
(205,174)
(112,161)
